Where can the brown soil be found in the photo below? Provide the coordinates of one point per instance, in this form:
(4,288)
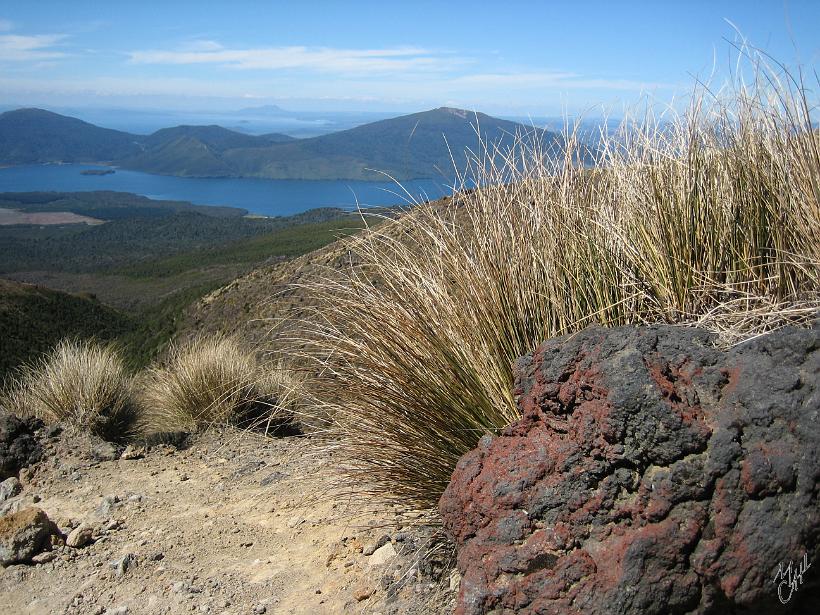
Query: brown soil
(13,216)
(232,524)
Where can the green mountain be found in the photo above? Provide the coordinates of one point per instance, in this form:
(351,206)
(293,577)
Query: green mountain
(185,156)
(406,147)
(216,138)
(425,144)
(29,136)
(196,151)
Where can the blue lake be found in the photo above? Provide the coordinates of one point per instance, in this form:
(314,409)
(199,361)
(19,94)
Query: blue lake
(268,197)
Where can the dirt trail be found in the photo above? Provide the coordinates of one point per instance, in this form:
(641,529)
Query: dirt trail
(229,525)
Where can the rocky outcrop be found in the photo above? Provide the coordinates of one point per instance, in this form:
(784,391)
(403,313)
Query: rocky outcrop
(9,488)
(649,473)
(18,445)
(25,534)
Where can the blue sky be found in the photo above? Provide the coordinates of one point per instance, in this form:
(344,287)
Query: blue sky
(538,58)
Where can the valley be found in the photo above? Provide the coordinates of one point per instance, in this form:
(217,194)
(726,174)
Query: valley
(130,276)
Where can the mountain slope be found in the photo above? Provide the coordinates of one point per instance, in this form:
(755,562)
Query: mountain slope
(269,305)
(34,318)
(29,136)
(196,151)
(185,156)
(216,138)
(406,147)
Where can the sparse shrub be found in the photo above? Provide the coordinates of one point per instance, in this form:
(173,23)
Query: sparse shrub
(711,217)
(213,381)
(82,384)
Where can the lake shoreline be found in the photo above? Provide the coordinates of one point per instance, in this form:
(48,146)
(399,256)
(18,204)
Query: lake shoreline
(264,197)
(116,167)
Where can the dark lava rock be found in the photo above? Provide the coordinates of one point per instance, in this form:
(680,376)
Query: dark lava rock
(177,439)
(649,473)
(19,447)
(24,534)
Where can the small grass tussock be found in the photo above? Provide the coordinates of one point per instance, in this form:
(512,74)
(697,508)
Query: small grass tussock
(708,217)
(82,384)
(211,381)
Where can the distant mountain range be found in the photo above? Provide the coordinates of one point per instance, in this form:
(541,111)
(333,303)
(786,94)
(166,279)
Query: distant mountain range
(411,146)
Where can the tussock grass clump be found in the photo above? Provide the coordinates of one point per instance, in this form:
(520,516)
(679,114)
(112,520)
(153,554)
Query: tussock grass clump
(214,381)
(82,384)
(711,217)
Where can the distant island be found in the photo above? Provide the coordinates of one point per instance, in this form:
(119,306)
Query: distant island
(420,145)
(98,172)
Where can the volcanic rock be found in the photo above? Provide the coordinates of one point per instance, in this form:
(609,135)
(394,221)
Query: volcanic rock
(80,536)
(362,593)
(124,564)
(9,488)
(382,555)
(103,451)
(370,549)
(18,446)
(24,534)
(649,473)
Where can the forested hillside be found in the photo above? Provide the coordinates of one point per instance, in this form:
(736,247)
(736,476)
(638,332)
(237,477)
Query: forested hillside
(33,319)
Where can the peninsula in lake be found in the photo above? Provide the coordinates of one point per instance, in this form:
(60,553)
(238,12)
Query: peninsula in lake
(97,172)
(420,145)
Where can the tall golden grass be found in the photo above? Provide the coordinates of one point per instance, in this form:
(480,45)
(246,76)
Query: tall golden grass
(81,384)
(211,381)
(710,217)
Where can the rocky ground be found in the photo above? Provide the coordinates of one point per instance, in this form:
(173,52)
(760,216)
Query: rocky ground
(229,523)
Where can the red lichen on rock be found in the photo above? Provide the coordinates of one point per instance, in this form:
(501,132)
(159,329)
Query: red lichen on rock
(649,473)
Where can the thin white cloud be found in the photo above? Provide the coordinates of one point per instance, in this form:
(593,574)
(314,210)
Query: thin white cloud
(6,25)
(22,48)
(201,45)
(318,59)
(118,86)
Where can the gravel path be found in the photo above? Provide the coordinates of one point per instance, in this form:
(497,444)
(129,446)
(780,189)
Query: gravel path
(231,524)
